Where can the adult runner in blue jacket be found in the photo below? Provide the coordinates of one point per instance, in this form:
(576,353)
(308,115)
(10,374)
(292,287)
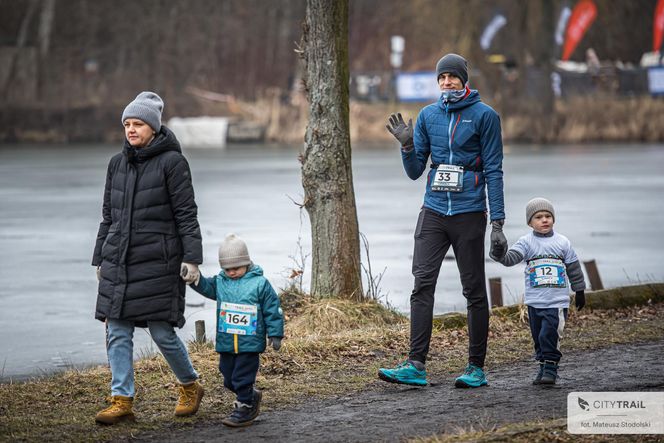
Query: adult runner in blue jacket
(458,142)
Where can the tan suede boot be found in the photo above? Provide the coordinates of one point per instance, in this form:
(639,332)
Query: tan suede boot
(119,410)
(190,399)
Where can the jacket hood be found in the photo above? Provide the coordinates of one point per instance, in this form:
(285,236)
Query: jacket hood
(253,271)
(163,142)
(471,99)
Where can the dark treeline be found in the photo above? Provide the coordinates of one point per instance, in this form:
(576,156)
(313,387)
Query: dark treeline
(64,55)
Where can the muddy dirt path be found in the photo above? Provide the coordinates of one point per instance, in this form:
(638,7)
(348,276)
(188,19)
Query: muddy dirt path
(394,412)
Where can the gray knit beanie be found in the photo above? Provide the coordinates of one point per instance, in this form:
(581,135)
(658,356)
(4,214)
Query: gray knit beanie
(453,64)
(233,252)
(539,204)
(147,106)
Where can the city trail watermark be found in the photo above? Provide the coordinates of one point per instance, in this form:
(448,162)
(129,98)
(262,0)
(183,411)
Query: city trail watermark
(615,412)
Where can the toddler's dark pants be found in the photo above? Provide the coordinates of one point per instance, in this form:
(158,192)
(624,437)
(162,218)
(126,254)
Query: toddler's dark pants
(546,327)
(434,235)
(239,371)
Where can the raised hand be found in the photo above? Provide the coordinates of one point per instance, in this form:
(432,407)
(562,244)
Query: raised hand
(400,130)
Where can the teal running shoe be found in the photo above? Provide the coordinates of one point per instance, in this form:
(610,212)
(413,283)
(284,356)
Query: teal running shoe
(405,373)
(472,377)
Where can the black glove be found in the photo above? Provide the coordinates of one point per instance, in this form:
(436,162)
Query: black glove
(580,300)
(498,240)
(275,342)
(400,130)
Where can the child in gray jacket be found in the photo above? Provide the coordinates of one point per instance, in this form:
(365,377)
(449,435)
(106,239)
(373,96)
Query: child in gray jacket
(550,264)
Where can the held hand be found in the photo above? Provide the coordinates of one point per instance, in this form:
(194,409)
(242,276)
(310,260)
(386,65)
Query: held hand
(190,273)
(400,130)
(498,240)
(275,342)
(579,300)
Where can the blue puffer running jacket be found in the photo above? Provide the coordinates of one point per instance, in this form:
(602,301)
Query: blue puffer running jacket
(466,133)
(250,289)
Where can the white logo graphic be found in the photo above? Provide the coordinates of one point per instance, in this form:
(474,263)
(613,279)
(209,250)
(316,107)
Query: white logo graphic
(615,412)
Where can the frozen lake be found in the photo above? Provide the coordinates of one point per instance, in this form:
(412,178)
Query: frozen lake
(607,199)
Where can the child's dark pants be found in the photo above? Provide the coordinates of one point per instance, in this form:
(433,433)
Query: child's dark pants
(239,371)
(546,327)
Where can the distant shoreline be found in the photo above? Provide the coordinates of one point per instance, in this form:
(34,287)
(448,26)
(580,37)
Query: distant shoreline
(578,120)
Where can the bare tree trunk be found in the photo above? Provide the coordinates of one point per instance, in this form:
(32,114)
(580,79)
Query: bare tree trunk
(326,163)
(544,58)
(20,44)
(46,20)
(46,26)
(537,23)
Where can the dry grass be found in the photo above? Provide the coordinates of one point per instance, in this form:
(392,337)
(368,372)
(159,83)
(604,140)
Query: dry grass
(574,120)
(332,348)
(589,119)
(329,315)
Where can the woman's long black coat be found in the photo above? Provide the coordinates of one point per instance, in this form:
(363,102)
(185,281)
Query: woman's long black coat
(149,228)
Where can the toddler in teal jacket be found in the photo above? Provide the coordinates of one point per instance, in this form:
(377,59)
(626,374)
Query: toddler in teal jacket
(248,311)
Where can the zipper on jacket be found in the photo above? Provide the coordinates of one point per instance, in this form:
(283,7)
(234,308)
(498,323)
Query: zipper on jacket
(235,346)
(450,136)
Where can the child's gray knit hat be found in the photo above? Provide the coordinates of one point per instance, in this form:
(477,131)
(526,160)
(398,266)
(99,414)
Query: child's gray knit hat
(539,204)
(147,106)
(233,252)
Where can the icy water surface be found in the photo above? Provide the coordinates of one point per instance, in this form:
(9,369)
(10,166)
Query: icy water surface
(607,198)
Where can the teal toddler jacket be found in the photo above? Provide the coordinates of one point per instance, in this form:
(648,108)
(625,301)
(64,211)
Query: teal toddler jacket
(250,290)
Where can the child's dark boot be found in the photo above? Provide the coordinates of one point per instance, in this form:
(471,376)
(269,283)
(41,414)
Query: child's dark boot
(244,414)
(549,373)
(540,372)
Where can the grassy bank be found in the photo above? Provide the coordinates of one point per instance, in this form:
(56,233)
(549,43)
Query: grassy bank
(322,357)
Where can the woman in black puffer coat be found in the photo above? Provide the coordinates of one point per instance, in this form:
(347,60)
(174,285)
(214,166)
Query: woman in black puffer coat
(149,232)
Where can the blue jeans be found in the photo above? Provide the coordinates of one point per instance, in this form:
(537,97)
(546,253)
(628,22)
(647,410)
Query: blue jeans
(120,349)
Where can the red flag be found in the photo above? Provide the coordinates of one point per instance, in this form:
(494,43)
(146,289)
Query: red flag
(658,26)
(583,16)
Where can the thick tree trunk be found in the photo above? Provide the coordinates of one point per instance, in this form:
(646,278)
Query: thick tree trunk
(326,163)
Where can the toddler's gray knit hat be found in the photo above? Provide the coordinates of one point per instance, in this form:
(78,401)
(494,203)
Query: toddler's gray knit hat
(233,252)
(454,64)
(147,106)
(539,204)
